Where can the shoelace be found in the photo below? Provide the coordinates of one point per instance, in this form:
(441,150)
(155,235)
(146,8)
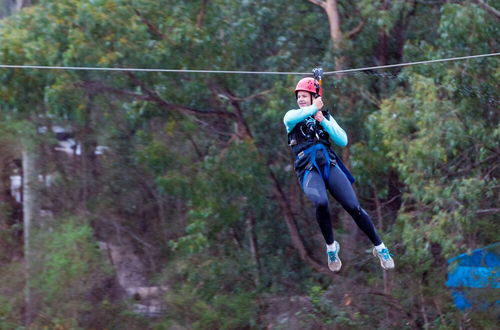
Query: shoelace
(332,255)
(385,254)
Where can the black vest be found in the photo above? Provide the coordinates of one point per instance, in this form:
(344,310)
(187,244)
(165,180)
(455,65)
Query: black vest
(307,133)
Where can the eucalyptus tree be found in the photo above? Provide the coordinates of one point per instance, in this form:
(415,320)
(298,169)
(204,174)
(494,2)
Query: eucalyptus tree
(438,133)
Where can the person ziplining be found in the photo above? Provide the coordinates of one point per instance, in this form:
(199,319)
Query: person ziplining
(319,169)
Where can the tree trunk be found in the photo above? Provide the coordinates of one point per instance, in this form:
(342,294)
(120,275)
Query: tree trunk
(378,208)
(422,308)
(88,158)
(250,224)
(332,11)
(383,42)
(12,6)
(30,212)
(201,13)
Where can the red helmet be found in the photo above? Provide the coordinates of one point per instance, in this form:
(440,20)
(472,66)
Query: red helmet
(307,84)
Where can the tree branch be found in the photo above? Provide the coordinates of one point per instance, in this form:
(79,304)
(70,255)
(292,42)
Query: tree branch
(369,97)
(320,3)
(243,128)
(246,98)
(488,211)
(98,87)
(152,28)
(488,8)
(491,159)
(297,243)
(356,30)
(153,96)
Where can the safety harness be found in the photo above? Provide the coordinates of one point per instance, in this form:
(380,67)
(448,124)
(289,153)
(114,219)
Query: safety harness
(311,154)
(306,141)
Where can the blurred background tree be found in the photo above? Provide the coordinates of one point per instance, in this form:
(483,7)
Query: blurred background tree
(182,183)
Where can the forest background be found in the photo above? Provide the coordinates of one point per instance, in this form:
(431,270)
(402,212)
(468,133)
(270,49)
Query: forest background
(179,208)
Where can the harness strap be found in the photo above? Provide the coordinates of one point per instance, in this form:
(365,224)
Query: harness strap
(311,152)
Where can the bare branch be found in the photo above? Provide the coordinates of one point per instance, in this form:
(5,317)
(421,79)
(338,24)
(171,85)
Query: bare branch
(488,211)
(356,30)
(152,28)
(246,98)
(488,8)
(320,3)
(243,130)
(369,97)
(98,87)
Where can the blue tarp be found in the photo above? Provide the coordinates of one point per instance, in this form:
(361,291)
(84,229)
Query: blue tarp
(475,278)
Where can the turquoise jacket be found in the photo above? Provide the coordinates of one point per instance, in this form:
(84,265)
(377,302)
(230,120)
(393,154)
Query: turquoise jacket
(293,117)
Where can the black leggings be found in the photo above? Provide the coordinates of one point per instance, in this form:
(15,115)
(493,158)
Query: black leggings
(341,189)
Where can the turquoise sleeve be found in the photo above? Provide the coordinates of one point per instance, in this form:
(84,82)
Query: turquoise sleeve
(293,117)
(337,134)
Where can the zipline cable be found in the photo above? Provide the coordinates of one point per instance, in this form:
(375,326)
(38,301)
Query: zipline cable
(145,70)
(6,66)
(411,63)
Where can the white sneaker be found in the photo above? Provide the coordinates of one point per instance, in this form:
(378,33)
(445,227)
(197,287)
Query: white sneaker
(385,258)
(334,262)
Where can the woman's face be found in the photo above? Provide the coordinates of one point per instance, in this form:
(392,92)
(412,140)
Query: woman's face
(304,99)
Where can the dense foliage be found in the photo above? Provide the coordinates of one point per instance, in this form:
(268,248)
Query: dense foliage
(196,175)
